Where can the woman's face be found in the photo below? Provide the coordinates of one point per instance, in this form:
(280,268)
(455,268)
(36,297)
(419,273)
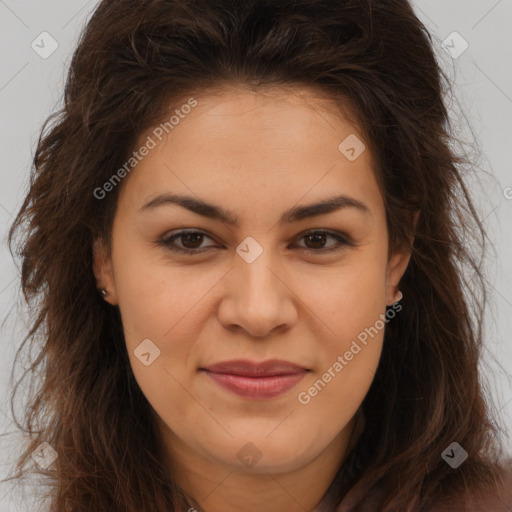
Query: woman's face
(252,292)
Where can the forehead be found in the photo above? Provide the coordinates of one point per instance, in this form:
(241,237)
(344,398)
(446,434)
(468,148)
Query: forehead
(264,144)
(291,114)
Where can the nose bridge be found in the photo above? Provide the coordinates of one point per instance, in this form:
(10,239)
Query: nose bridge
(258,300)
(257,281)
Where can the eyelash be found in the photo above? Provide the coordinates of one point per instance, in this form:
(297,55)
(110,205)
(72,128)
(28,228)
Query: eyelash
(167,242)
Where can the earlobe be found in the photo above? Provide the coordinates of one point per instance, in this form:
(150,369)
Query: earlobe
(102,269)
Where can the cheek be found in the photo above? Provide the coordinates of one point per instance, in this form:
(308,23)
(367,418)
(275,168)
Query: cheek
(349,354)
(348,300)
(157,299)
(351,306)
(169,306)
(163,305)
(334,394)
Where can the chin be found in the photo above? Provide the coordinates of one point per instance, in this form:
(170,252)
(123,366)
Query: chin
(260,454)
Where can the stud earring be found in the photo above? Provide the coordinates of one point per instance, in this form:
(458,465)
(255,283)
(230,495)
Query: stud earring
(104,292)
(398,297)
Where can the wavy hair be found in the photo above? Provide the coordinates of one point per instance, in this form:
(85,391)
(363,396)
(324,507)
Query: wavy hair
(133,60)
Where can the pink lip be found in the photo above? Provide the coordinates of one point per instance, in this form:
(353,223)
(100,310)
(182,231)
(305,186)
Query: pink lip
(258,381)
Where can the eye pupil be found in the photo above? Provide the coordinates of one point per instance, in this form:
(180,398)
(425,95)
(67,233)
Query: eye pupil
(195,238)
(316,238)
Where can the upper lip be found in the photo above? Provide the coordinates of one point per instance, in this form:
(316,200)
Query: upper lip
(269,368)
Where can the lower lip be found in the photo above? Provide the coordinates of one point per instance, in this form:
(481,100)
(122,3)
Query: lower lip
(257,388)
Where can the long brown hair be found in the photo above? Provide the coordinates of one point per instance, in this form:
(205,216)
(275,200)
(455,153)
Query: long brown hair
(134,59)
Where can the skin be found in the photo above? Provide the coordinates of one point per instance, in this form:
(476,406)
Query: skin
(256,154)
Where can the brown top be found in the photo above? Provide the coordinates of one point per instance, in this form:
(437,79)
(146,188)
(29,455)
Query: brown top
(500,502)
(359,497)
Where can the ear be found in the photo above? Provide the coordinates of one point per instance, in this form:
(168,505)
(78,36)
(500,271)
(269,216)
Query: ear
(396,267)
(102,268)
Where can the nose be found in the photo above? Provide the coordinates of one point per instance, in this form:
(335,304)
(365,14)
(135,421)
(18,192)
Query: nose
(258,298)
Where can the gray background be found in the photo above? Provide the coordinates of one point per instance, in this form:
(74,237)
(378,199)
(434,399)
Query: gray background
(31,87)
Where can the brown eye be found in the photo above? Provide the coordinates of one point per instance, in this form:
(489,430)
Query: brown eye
(315,242)
(190,242)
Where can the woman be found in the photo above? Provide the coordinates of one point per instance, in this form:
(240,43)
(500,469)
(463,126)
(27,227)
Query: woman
(248,233)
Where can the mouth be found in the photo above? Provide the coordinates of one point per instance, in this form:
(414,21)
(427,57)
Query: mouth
(253,380)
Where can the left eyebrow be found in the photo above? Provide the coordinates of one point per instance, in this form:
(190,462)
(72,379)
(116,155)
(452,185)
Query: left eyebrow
(294,214)
(324,207)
